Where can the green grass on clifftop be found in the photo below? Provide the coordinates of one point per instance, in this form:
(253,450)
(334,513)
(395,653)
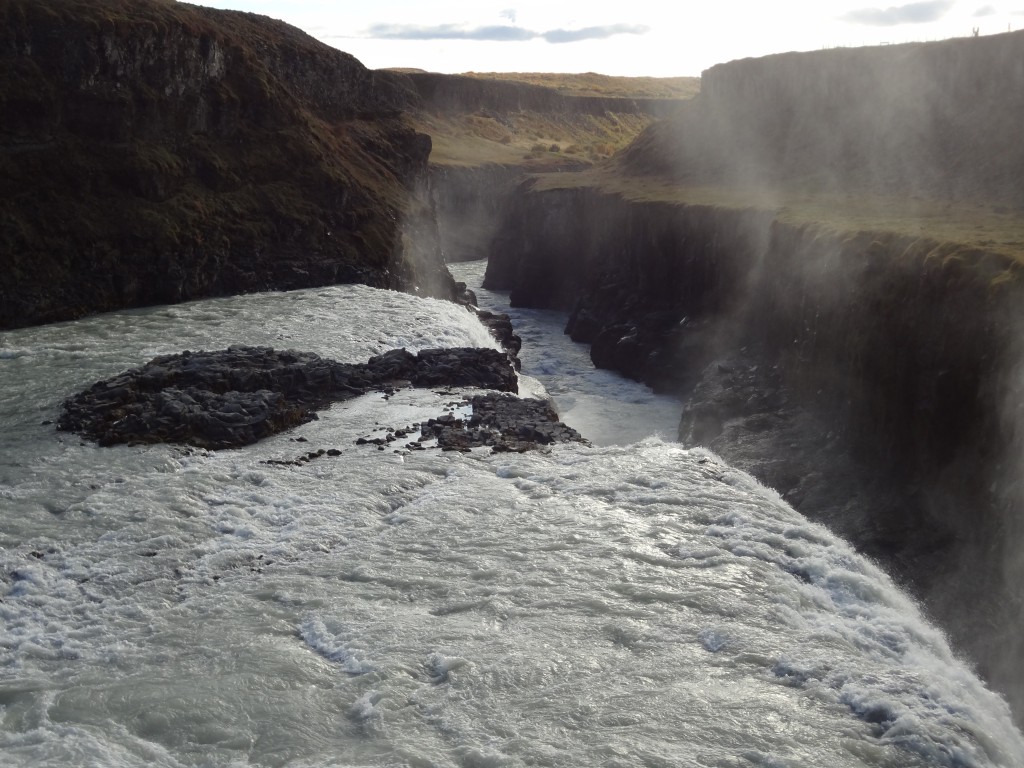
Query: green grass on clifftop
(591,84)
(918,140)
(545,139)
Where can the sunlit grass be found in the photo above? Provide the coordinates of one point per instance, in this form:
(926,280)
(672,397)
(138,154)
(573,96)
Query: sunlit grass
(608,86)
(548,139)
(533,139)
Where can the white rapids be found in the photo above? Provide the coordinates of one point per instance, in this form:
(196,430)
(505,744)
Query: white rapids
(620,605)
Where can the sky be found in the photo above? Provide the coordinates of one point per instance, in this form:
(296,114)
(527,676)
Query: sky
(635,37)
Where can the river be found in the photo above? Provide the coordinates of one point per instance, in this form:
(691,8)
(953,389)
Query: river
(621,604)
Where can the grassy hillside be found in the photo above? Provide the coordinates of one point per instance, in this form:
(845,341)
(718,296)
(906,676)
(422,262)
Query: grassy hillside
(591,84)
(535,140)
(539,121)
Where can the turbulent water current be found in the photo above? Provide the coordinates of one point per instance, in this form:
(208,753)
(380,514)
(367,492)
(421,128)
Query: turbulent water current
(609,605)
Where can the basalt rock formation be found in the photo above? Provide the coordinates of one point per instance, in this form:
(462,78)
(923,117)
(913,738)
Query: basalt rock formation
(869,375)
(501,422)
(235,397)
(154,151)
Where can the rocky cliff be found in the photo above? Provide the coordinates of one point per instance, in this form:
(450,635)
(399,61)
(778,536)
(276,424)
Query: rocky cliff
(870,374)
(469,203)
(153,151)
(871,379)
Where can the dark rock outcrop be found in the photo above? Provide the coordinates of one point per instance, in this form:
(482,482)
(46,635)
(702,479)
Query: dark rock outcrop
(237,396)
(500,326)
(502,422)
(154,151)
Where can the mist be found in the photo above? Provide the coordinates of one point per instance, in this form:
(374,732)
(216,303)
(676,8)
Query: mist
(900,345)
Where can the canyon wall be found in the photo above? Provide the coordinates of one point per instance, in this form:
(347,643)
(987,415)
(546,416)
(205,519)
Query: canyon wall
(491,133)
(469,202)
(154,152)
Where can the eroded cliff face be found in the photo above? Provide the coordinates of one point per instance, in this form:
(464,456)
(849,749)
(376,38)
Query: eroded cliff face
(154,152)
(867,377)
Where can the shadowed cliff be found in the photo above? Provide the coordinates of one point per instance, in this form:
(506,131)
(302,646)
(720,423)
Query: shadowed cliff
(153,151)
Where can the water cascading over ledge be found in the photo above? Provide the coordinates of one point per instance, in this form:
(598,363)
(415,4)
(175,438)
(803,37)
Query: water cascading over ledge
(821,254)
(898,350)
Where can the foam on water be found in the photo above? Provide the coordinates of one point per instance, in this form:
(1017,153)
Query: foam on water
(613,606)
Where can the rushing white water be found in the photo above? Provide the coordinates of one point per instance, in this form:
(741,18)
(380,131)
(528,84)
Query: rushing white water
(591,606)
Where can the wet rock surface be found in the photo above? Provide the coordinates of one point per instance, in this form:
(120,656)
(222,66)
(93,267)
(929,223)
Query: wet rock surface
(234,397)
(497,420)
(500,326)
(503,422)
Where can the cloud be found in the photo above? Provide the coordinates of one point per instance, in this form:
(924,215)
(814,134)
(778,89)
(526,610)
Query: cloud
(987,10)
(912,13)
(592,33)
(503,33)
(510,14)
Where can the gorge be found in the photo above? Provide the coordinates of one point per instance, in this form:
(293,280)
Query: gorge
(818,256)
